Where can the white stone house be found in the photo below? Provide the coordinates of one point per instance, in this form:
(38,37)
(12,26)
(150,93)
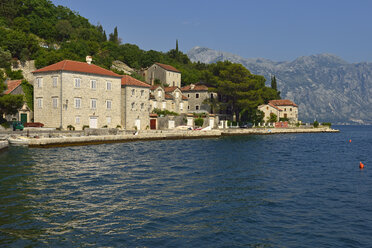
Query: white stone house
(24,114)
(77,94)
(168,98)
(197,94)
(282,109)
(167,74)
(135,104)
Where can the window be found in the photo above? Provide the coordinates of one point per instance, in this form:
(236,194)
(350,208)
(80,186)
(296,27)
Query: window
(267,108)
(285,109)
(142,105)
(108,104)
(188,107)
(93,103)
(108,119)
(77,82)
(133,104)
(93,84)
(197,107)
(77,119)
(163,105)
(155,104)
(197,95)
(188,95)
(181,106)
(159,93)
(39,102)
(142,91)
(77,103)
(55,82)
(133,92)
(177,94)
(39,82)
(290,109)
(55,102)
(211,95)
(108,85)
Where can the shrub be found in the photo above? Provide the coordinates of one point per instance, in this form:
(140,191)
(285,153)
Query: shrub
(118,126)
(316,124)
(160,112)
(199,122)
(327,124)
(71,127)
(105,126)
(85,126)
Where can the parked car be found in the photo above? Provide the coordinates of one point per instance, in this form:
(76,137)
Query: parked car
(17,125)
(246,125)
(34,124)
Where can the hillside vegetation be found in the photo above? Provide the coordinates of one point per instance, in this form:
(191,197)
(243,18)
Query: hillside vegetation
(38,30)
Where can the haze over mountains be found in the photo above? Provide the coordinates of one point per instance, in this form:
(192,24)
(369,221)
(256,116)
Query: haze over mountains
(324,86)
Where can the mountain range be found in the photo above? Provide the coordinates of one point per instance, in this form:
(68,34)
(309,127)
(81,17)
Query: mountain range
(324,86)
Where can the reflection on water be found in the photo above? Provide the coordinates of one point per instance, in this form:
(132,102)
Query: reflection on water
(280,190)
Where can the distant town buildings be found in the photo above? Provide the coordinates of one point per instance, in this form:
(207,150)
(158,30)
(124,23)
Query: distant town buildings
(71,94)
(283,109)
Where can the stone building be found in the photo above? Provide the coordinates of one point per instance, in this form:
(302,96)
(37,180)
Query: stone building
(168,98)
(24,114)
(135,104)
(166,74)
(77,94)
(197,94)
(283,109)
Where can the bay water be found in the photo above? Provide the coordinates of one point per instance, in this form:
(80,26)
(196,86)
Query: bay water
(289,190)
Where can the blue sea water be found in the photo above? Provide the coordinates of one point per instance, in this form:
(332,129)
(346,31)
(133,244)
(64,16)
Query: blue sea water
(290,190)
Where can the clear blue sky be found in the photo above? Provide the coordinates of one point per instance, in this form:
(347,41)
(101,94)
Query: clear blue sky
(273,29)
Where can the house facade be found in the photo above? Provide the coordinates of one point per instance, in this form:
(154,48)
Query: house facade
(283,109)
(135,104)
(197,95)
(71,93)
(166,74)
(25,114)
(168,98)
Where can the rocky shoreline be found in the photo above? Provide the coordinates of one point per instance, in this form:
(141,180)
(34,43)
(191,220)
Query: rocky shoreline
(78,138)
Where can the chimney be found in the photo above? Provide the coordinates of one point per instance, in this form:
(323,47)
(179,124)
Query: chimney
(88,59)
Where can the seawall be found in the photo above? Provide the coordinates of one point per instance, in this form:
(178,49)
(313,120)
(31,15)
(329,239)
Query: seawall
(3,144)
(78,138)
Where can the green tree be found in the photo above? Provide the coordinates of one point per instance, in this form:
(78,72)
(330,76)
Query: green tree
(28,89)
(272,118)
(275,86)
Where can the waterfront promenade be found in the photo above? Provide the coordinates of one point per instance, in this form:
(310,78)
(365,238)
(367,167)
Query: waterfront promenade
(52,138)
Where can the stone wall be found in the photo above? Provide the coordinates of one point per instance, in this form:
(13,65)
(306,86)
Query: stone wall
(27,68)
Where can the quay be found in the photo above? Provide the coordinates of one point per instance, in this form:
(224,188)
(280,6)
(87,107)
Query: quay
(77,138)
(3,144)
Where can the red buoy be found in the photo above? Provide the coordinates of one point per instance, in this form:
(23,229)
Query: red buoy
(350,141)
(361,165)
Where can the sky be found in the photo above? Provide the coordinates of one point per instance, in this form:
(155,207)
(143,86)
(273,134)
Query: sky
(279,30)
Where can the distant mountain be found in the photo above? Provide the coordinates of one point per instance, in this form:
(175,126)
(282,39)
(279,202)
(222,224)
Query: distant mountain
(324,86)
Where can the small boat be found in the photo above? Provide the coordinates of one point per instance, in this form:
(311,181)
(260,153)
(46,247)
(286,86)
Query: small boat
(19,141)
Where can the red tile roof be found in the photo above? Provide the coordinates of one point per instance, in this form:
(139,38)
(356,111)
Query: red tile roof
(283,102)
(130,81)
(275,107)
(170,89)
(197,87)
(75,66)
(168,67)
(12,85)
(184,98)
(154,87)
(168,96)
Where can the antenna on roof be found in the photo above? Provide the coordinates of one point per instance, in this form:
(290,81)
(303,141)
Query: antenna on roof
(88,59)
